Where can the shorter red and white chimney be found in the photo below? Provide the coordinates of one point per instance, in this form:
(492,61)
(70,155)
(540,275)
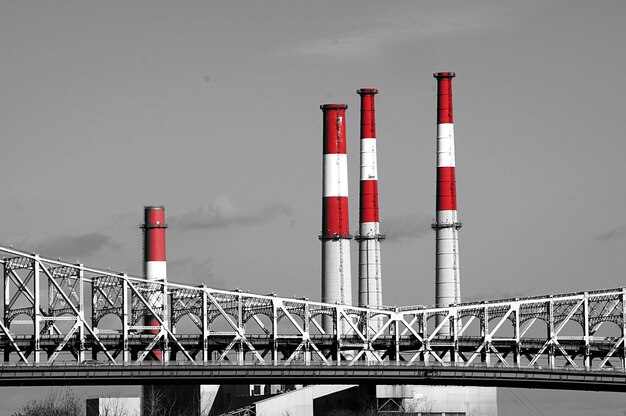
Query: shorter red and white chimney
(155,266)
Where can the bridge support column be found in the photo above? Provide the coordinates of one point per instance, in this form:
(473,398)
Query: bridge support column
(240,353)
(551,356)
(518,350)
(517,355)
(166,323)
(36,310)
(396,338)
(125,321)
(586,331)
(205,328)
(454,357)
(274,331)
(623,311)
(338,336)
(484,333)
(487,353)
(551,334)
(7,300)
(81,310)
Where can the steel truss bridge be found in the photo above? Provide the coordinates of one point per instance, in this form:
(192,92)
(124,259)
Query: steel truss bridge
(71,324)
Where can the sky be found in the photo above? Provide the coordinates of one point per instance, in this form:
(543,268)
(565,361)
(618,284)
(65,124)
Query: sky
(212,110)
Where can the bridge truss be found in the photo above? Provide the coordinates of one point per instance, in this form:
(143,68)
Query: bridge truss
(57,313)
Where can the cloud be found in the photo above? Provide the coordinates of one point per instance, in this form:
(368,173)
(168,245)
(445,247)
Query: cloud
(500,295)
(192,271)
(407,227)
(71,246)
(614,234)
(221,213)
(393,25)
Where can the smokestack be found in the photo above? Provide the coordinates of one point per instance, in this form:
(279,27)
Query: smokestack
(446,224)
(370,283)
(335,236)
(155,266)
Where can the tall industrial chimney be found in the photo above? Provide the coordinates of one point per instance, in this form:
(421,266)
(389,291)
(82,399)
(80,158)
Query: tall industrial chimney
(335,236)
(155,267)
(370,283)
(446,224)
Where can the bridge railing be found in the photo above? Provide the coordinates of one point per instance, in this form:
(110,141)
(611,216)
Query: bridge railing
(56,312)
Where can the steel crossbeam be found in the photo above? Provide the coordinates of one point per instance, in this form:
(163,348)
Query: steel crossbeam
(48,320)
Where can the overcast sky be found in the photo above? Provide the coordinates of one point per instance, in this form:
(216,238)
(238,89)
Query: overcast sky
(212,109)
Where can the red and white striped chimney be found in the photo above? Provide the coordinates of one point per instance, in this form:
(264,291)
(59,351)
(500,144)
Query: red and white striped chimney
(446,225)
(335,236)
(370,283)
(155,266)
(154,243)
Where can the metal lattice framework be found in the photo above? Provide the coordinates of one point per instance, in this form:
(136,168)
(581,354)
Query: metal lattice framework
(49,320)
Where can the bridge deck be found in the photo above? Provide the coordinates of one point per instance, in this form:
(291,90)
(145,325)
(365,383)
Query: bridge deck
(88,374)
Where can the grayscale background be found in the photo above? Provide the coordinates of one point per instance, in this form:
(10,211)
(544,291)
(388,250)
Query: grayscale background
(211,108)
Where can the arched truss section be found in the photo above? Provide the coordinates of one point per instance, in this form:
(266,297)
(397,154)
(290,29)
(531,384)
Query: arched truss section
(534,328)
(110,322)
(506,327)
(260,324)
(607,330)
(67,305)
(222,322)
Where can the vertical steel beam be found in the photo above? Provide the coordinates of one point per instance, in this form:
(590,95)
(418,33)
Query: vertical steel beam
(7,299)
(36,308)
(205,327)
(368,333)
(7,295)
(426,353)
(517,354)
(623,313)
(167,323)
(81,312)
(274,319)
(486,337)
(587,357)
(551,359)
(306,335)
(126,299)
(455,337)
(338,334)
(396,335)
(240,329)
(94,303)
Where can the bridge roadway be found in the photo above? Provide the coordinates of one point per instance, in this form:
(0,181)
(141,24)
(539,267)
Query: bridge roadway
(253,373)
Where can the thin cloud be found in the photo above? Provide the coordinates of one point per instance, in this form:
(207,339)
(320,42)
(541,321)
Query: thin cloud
(72,246)
(499,295)
(190,270)
(407,227)
(221,213)
(407,23)
(614,234)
